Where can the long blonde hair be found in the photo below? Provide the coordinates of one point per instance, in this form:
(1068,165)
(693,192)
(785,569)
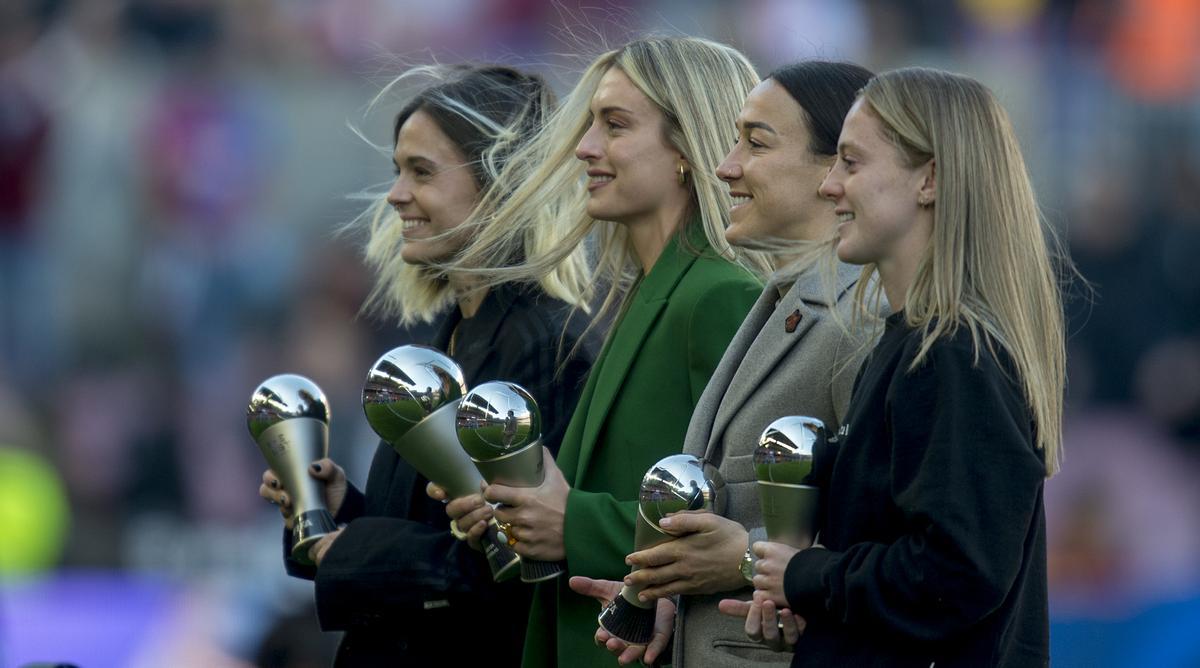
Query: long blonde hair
(699,86)
(990,263)
(489,112)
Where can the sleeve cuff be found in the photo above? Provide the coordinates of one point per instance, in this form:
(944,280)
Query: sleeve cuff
(803,583)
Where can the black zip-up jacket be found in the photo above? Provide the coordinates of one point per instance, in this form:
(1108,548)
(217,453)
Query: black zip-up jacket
(933,521)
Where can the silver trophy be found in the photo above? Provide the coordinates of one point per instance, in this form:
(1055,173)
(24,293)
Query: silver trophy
(288,417)
(500,428)
(410,398)
(783,461)
(674,484)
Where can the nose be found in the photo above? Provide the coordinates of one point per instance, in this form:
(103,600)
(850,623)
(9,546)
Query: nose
(400,192)
(729,170)
(831,187)
(588,148)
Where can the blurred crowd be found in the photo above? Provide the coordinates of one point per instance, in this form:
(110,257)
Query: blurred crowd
(174,176)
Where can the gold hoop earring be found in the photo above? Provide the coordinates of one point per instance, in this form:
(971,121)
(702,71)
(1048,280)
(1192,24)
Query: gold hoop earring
(682,175)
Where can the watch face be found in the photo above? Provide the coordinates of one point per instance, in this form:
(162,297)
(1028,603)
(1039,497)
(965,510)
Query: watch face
(748,567)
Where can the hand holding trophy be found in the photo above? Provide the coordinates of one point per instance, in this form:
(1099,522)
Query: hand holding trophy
(500,427)
(410,397)
(288,417)
(784,462)
(676,483)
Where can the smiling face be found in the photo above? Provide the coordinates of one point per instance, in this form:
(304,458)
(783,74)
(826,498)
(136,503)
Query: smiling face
(632,171)
(773,174)
(434,191)
(876,198)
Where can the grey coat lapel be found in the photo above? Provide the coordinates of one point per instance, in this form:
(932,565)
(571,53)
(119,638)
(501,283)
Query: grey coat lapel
(768,341)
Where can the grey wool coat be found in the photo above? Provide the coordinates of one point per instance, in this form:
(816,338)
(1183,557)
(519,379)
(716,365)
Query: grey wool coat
(767,373)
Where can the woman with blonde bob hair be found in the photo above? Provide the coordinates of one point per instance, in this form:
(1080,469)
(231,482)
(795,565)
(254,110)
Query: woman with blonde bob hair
(631,155)
(933,541)
(394,576)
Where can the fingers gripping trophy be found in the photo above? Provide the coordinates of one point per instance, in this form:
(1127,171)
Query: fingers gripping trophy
(500,427)
(288,417)
(783,461)
(674,484)
(410,398)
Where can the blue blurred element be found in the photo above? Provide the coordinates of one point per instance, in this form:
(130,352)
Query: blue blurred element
(1164,636)
(86,618)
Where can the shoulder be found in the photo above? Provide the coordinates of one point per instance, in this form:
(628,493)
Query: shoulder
(713,281)
(959,366)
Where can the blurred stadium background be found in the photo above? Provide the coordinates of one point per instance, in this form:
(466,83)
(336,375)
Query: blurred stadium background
(171,175)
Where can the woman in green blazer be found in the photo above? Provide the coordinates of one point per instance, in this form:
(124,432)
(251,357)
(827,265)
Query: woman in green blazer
(647,134)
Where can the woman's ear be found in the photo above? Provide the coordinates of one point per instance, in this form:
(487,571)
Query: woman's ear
(927,194)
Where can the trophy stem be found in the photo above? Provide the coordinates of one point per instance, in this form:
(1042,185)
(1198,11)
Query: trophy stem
(789,512)
(308,528)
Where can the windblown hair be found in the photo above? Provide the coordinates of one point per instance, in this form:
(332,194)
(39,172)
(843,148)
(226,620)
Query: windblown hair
(699,86)
(489,112)
(990,264)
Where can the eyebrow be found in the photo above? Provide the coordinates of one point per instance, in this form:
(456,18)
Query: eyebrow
(848,145)
(758,125)
(413,159)
(612,108)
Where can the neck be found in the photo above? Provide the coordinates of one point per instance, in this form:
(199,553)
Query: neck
(468,297)
(649,236)
(898,272)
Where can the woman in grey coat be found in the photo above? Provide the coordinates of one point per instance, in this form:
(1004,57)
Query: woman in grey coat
(797,353)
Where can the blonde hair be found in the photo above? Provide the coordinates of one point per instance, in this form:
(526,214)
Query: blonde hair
(989,265)
(489,112)
(699,86)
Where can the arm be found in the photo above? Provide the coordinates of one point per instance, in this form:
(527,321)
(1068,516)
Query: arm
(966,479)
(380,564)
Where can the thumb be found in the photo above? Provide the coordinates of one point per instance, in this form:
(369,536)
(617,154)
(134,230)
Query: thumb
(734,607)
(601,590)
(325,469)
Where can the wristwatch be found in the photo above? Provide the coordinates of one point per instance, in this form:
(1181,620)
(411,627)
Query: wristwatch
(747,566)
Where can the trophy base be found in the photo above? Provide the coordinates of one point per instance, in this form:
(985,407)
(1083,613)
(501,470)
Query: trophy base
(537,571)
(629,622)
(308,528)
(505,563)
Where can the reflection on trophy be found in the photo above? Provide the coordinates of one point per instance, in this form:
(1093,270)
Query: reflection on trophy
(674,484)
(410,399)
(288,417)
(784,461)
(500,427)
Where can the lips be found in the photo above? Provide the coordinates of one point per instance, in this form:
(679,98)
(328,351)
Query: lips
(410,224)
(598,179)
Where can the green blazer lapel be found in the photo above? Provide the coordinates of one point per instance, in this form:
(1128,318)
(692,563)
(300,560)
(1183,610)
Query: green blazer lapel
(649,299)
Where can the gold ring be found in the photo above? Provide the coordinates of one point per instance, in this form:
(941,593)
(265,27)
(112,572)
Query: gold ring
(507,533)
(456,532)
